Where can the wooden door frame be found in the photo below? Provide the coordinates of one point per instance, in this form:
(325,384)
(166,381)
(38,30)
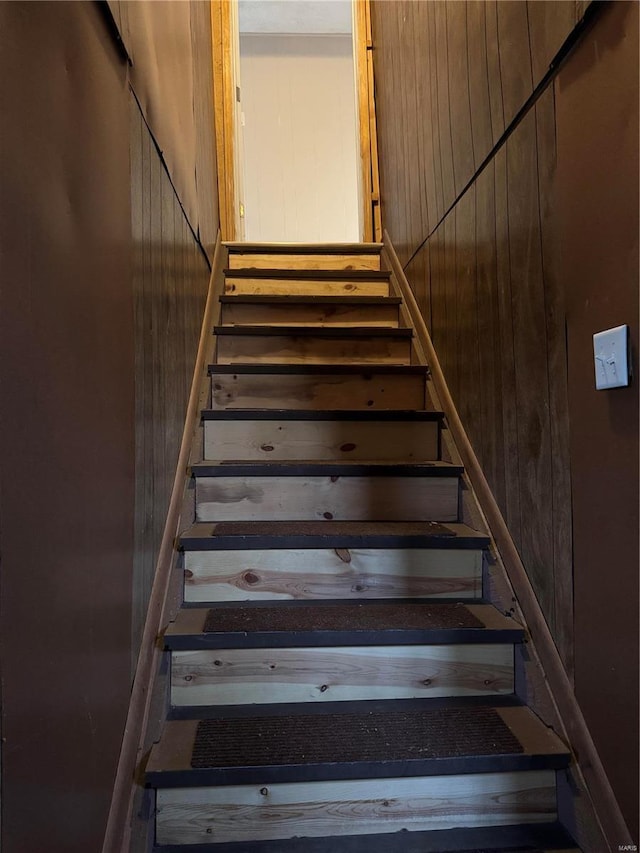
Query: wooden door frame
(224,39)
(370,176)
(225,35)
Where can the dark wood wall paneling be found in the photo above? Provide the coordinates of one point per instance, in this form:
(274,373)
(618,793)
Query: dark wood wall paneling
(479,248)
(170,283)
(597,201)
(170,49)
(450,77)
(100,312)
(488,275)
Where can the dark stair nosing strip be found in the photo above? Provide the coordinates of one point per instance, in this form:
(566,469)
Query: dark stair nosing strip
(359,706)
(365,370)
(343,771)
(317,331)
(414,415)
(309,275)
(294,299)
(514,838)
(326,469)
(260,535)
(329,639)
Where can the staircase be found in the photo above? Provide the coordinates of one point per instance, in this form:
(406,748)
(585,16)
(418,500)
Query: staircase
(338,682)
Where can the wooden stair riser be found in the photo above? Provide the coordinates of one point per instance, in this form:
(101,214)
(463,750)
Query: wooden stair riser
(259,676)
(340,573)
(308,314)
(261,286)
(315,809)
(270,440)
(296,391)
(307,349)
(312,498)
(304,261)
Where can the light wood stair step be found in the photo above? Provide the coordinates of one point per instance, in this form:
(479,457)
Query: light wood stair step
(293,310)
(515,838)
(305,256)
(271,434)
(309,491)
(317,345)
(328,651)
(318,386)
(306,283)
(232,561)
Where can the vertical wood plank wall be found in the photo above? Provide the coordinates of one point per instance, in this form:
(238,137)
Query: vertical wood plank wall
(170,282)
(470,199)
(478,247)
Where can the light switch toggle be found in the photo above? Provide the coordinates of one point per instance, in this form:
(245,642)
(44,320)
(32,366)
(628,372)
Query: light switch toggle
(611,358)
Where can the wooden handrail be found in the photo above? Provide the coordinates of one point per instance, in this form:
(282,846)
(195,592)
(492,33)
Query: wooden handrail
(119,820)
(605,805)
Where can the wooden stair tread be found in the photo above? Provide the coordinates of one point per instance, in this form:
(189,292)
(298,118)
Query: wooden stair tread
(293,299)
(355,745)
(339,624)
(317,331)
(303,248)
(367,415)
(320,369)
(514,838)
(331,534)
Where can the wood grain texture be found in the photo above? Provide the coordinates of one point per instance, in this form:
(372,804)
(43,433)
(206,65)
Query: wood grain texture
(257,676)
(297,314)
(492,299)
(600,816)
(276,349)
(549,26)
(531,371)
(450,79)
(511,507)
(303,287)
(331,574)
(479,88)
(342,498)
(494,77)
(515,56)
(281,391)
(460,103)
(315,809)
(363,99)
(170,282)
(291,261)
(488,315)
(321,440)
(557,344)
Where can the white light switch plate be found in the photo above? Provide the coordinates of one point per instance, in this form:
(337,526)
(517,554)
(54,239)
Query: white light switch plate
(610,352)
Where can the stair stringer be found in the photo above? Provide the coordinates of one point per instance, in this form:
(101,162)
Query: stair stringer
(591,816)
